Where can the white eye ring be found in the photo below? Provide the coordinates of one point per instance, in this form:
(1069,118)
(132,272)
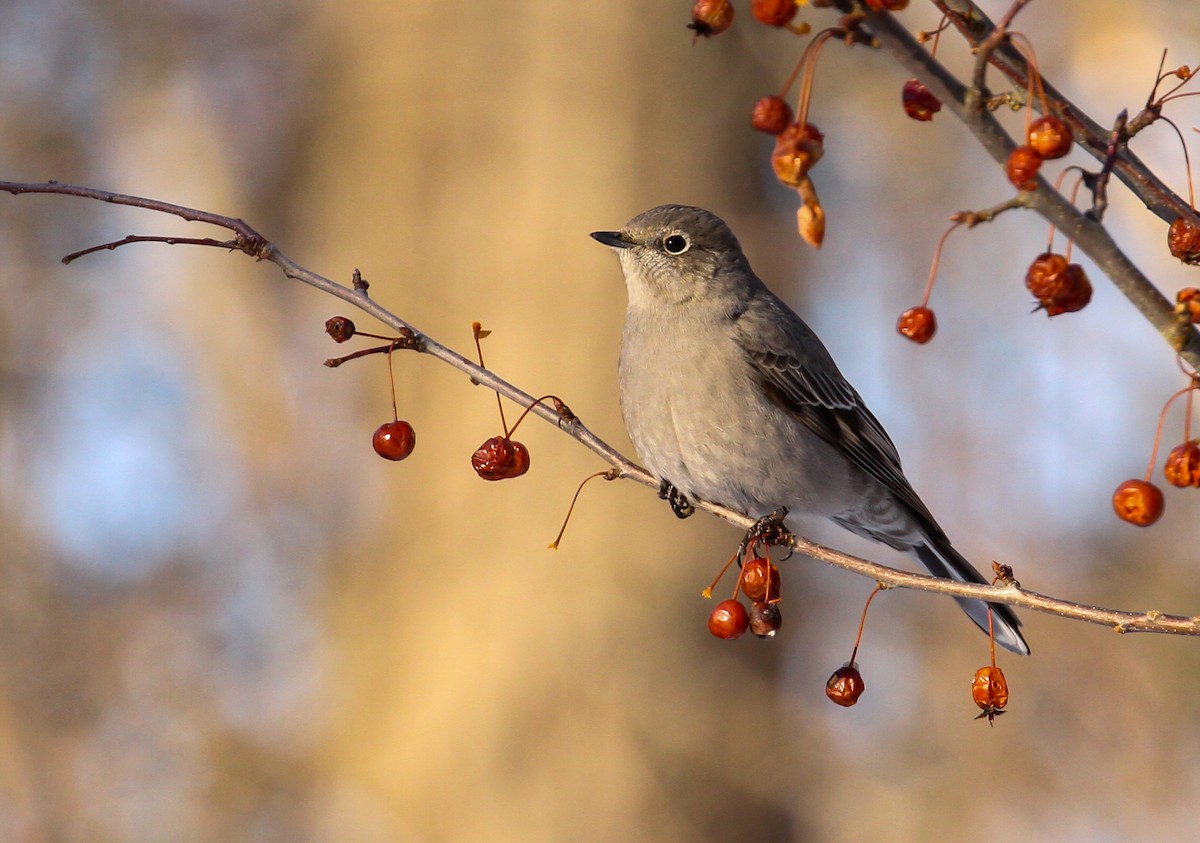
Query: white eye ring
(676,243)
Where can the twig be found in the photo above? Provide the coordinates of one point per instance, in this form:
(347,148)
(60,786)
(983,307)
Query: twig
(252,243)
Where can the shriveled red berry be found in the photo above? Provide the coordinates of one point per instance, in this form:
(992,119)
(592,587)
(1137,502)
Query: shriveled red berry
(756,575)
(1138,502)
(887,5)
(728,619)
(500,458)
(765,619)
(846,685)
(771,114)
(1023,166)
(989,689)
(1183,239)
(394,440)
(797,148)
(711,17)
(1183,465)
(919,102)
(339,328)
(918,324)
(773,12)
(1059,287)
(1050,137)
(1187,301)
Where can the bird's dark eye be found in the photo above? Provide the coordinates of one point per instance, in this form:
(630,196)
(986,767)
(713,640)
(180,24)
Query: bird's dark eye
(676,244)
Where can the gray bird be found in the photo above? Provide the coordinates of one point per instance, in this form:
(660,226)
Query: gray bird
(729,397)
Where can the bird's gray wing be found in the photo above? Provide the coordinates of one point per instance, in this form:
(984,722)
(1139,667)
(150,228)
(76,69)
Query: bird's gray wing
(799,374)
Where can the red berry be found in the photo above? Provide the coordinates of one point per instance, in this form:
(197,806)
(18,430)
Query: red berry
(919,102)
(773,12)
(755,576)
(918,324)
(989,689)
(797,148)
(711,17)
(1183,465)
(728,619)
(500,458)
(1183,239)
(1058,286)
(887,5)
(1023,165)
(394,440)
(339,328)
(1050,137)
(846,685)
(771,114)
(765,619)
(1138,502)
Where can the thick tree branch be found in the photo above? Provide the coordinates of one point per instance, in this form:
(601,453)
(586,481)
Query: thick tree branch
(250,242)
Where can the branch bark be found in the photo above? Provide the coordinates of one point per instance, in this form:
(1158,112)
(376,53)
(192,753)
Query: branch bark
(248,241)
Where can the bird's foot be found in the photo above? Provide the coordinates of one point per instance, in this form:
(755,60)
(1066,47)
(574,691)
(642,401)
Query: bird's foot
(679,503)
(769,530)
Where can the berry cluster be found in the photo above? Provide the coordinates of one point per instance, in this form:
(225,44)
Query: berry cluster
(758,581)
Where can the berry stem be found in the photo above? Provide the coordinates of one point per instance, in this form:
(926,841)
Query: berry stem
(478,332)
(862,622)
(559,405)
(933,268)
(1025,48)
(392,383)
(1162,417)
(611,474)
(708,591)
(809,61)
(991,635)
(1187,160)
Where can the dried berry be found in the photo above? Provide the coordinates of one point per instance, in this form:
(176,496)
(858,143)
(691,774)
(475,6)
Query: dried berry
(797,148)
(1139,502)
(771,114)
(728,620)
(500,458)
(765,619)
(773,12)
(1059,287)
(394,440)
(339,328)
(990,691)
(1050,137)
(1183,239)
(1183,465)
(711,17)
(756,574)
(810,222)
(919,102)
(918,324)
(846,685)
(1023,166)
(887,5)
(1187,301)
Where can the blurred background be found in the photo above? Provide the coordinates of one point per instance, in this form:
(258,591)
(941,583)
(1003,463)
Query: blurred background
(223,618)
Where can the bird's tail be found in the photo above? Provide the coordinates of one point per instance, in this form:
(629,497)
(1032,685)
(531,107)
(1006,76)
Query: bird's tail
(942,560)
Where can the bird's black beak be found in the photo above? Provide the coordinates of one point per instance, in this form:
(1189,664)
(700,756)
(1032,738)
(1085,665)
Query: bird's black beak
(612,238)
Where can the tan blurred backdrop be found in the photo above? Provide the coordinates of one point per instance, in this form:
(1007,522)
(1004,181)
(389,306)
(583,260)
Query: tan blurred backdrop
(222,617)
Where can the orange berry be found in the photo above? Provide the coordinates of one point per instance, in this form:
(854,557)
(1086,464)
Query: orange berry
(797,148)
(1183,239)
(1183,465)
(918,324)
(1023,166)
(990,691)
(760,580)
(771,114)
(1138,502)
(1187,301)
(394,440)
(728,620)
(919,102)
(773,12)
(711,17)
(1050,137)
(846,685)
(1058,286)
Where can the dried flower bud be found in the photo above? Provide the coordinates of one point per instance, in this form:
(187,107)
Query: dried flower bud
(1138,502)
(919,102)
(1183,239)
(1050,137)
(846,685)
(990,691)
(1187,302)
(773,12)
(1023,166)
(918,324)
(1058,286)
(797,148)
(771,114)
(339,328)
(1183,465)
(711,17)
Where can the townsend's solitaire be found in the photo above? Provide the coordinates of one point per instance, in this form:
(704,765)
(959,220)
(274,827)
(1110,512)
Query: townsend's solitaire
(730,397)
